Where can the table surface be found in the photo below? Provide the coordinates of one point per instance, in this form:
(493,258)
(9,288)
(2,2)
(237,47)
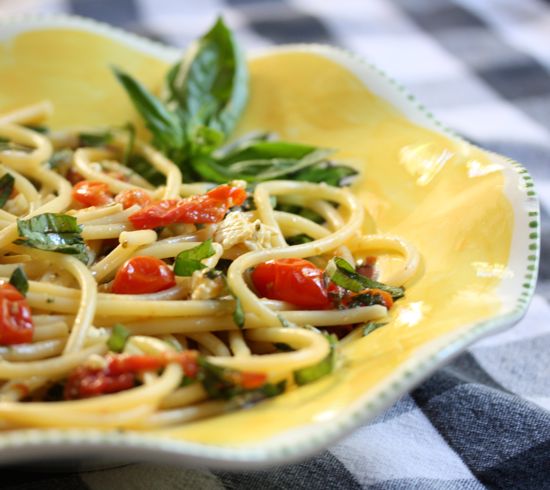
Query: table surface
(483,67)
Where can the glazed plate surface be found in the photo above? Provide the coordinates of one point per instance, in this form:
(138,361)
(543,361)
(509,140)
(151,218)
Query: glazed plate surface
(472,214)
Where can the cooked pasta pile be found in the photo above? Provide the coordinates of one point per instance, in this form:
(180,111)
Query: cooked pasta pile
(148,284)
(74,310)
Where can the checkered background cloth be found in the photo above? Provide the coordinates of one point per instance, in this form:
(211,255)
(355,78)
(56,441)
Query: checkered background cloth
(483,67)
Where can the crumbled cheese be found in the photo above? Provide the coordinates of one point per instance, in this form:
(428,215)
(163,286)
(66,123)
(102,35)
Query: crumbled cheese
(205,288)
(237,229)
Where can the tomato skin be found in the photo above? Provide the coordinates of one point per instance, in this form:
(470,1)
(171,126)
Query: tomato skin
(130,197)
(86,382)
(120,373)
(92,193)
(250,380)
(16,325)
(296,281)
(201,209)
(143,274)
(386,297)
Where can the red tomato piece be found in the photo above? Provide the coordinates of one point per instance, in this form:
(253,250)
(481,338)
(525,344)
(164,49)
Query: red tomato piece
(137,363)
(201,209)
(16,325)
(130,197)
(142,275)
(368,267)
(296,281)
(73,176)
(92,193)
(85,382)
(251,380)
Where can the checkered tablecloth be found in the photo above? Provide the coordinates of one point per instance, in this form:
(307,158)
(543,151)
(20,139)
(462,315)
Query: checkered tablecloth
(483,67)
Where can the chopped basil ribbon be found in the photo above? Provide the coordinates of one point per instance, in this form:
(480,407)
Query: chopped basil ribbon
(219,382)
(370,327)
(95,139)
(54,233)
(6,188)
(19,281)
(189,261)
(119,337)
(298,239)
(313,373)
(342,273)
(238,314)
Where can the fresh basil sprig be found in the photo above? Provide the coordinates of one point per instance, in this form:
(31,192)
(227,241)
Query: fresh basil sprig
(342,273)
(189,260)
(53,232)
(19,281)
(7,182)
(210,85)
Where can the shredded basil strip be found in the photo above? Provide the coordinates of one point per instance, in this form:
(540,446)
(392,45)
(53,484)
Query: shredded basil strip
(95,139)
(317,371)
(7,182)
(342,273)
(119,337)
(218,382)
(370,327)
(189,261)
(298,239)
(238,314)
(19,281)
(54,233)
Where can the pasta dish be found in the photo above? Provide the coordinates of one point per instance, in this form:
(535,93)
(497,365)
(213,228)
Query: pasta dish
(153,278)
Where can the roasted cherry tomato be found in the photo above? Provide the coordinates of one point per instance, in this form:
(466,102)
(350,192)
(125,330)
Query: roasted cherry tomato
(142,275)
(296,281)
(16,325)
(85,382)
(92,193)
(120,373)
(205,208)
(130,197)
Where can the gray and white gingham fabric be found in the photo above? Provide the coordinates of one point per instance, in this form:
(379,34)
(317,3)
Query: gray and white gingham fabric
(483,67)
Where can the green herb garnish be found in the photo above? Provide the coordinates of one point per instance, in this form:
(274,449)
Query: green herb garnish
(189,261)
(370,327)
(95,139)
(7,182)
(19,281)
(342,273)
(238,314)
(54,233)
(298,239)
(313,373)
(119,337)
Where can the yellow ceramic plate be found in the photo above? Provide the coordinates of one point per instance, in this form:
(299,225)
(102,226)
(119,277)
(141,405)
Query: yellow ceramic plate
(472,214)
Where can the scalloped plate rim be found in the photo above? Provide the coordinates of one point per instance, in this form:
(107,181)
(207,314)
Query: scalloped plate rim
(24,446)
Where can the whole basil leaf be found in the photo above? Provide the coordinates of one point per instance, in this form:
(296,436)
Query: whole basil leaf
(210,84)
(53,232)
(168,133)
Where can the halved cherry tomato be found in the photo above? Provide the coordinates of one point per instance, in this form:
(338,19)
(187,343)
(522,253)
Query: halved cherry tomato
(249,380)
(296,281)
(92,193)
(142,275)
(120,373)
(129,197)
(16,325)
(205,208)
